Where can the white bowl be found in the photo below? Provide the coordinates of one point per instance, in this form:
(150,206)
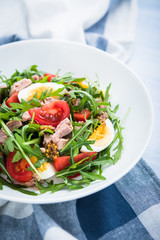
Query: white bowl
(127,91)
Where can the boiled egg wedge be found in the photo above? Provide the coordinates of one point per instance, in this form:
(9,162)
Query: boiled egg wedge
(37,88)
(103,136)
(46,170)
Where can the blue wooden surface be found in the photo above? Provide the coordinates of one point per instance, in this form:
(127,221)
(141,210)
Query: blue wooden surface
(145,61)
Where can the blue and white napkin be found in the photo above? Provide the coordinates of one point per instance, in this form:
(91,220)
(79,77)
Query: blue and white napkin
(108,25)
(126,210)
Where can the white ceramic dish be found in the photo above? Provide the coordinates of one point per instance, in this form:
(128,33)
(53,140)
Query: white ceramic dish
(127,90)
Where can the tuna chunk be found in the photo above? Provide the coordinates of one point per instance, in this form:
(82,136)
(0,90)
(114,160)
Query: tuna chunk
(48,100)
(3,136)
(18,86)
(37,77)
(26,116)
(61,143)
(48,138)
(11,125)
(63,128)
(102,116)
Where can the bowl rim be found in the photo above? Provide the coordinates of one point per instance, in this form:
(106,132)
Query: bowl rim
(33,199)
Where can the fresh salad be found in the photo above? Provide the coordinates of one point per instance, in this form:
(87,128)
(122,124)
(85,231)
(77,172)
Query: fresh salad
(56,131)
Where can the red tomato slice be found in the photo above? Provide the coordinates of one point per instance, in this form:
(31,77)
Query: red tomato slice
(50,76)
(18,170)
(12,99)
(52,113)
(61,162)
(81,116)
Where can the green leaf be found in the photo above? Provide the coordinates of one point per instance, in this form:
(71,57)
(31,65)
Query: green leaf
(58,187)
(81,130)
(119,147)
(9,144)
(93,176)
(7,115)
(107,93)
(104,160)
(4,93)
(18,144)
(4,169)
(86,143)
(71,157)
(49,93)
(18,156)
(17,187)
(89,97)
(33,152)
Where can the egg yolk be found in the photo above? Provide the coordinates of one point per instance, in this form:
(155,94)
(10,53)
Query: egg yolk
(82,84)
(38,91)
(101,135)
(43,167)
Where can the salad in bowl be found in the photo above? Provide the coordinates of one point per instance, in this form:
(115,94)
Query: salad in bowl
(56,131)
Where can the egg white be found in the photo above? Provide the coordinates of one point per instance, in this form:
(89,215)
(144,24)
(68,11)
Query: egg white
(50,172)
(107,139)
(24,93)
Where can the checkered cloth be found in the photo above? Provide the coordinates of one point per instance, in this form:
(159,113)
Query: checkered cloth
(126,210)
(129,209)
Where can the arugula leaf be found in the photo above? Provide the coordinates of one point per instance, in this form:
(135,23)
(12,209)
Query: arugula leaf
(25,106)
(17,76)
(18,145)
(49,93)
(33,152)
(51,187)
(4,169)
(10,144)
(18,156)
(82,129)
(17,187)
(84,143)
(4,93)
(104,160)
(71,157)
(119,147)
(93,176)
(88,96)
(107,93)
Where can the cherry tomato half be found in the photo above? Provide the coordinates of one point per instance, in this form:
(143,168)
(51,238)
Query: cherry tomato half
(52,113)
(18,170)
(50,76)
(80,116)
(61,162)
(12,99)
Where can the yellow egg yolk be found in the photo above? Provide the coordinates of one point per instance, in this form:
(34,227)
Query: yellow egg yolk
(43,167)
(82,84)
(38,91)
(101,135)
